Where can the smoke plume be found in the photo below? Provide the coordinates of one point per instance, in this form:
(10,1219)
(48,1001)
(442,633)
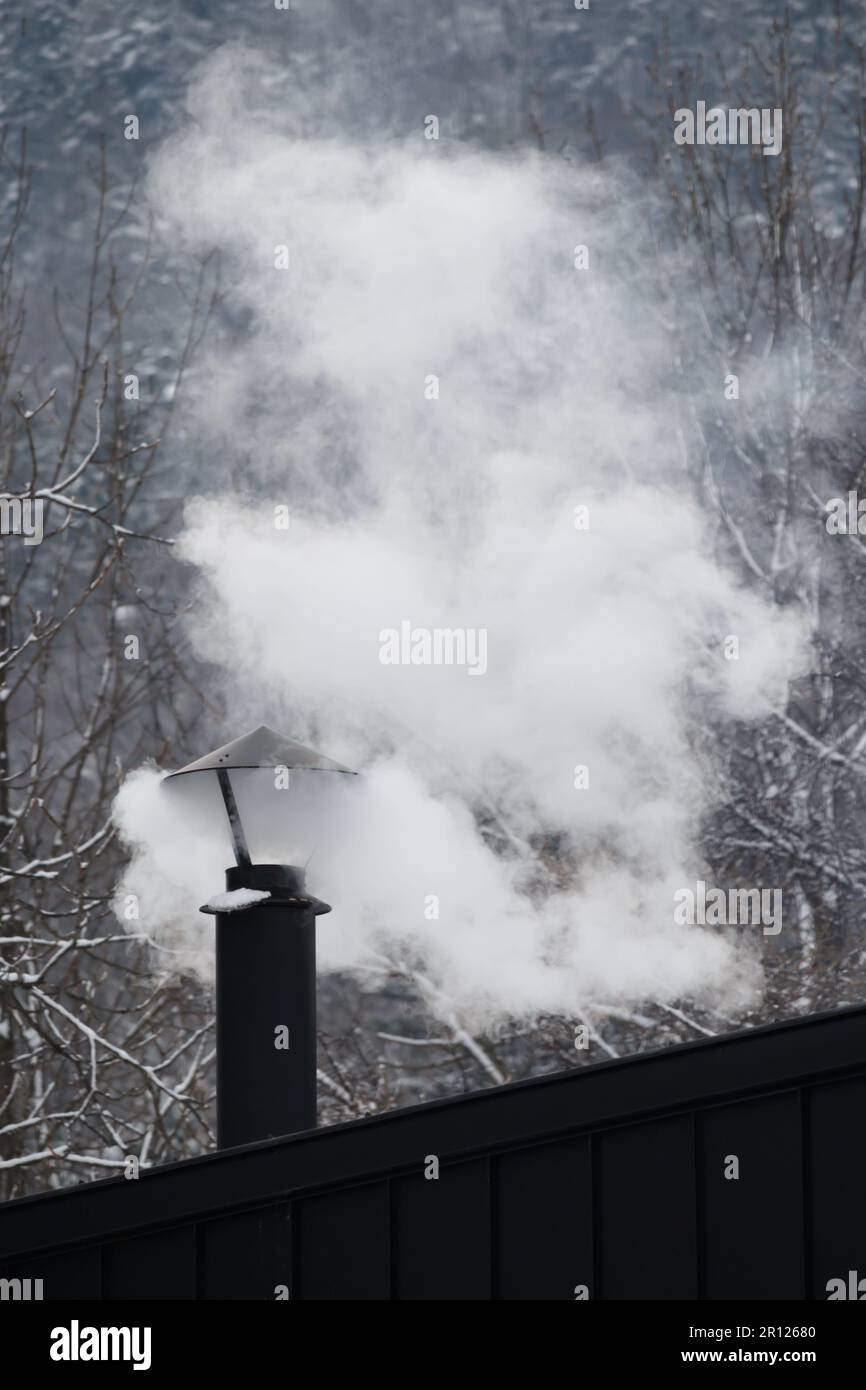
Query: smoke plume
(469,424)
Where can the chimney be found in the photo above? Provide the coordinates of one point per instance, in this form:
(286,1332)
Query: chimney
(265,963)
(266,1006)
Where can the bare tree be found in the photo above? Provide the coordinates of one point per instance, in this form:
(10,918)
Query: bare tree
(774,247)
(103,1053)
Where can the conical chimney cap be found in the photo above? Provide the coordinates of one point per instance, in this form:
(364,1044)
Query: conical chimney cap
(263,747)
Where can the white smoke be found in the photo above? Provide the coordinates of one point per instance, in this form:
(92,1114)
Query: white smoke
(408,261)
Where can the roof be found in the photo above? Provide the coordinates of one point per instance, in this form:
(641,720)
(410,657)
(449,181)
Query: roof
(777,1058)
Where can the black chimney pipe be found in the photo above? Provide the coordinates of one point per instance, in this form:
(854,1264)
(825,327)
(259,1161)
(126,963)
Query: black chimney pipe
(266,1007)
(265,962)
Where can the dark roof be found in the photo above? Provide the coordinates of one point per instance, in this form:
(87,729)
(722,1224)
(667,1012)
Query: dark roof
(775,1058)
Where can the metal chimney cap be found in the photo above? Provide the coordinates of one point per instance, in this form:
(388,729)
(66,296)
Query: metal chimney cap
(262,748)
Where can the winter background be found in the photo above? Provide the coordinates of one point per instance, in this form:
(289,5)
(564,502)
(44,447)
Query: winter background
(560,388)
